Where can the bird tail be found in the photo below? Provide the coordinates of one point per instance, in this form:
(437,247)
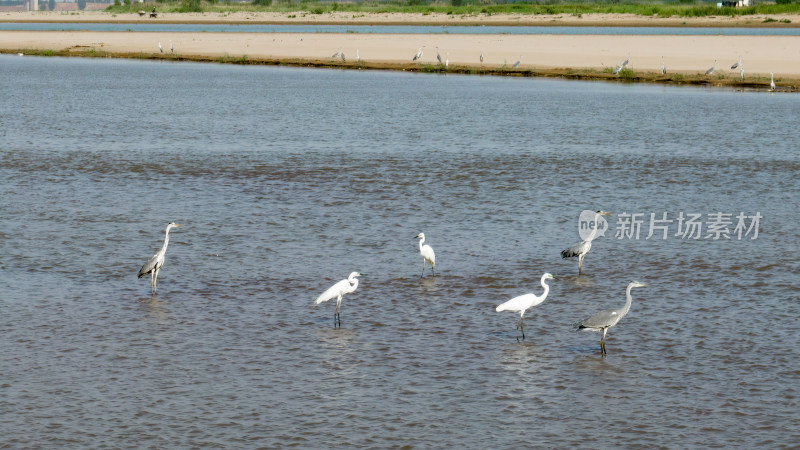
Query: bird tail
(568,253)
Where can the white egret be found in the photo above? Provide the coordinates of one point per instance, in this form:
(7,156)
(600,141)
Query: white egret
(516,64)
(427,254)
(154,264)
(604,320)
(663,67)
(446,60)
(737,64)
(337,291)
(741,72)
(771,81)
(523,302)
(160,47)
(581,248)
(711,70)
(358,57)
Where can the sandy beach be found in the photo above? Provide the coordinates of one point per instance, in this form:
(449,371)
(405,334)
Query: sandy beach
(581,56)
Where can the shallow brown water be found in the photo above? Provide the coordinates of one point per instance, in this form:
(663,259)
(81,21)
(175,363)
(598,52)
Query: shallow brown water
(287,180)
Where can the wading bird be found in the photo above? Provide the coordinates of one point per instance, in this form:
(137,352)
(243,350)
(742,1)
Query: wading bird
(663,67)
(737,64)
(341,54)
(604,320)
(446,60)
(523,302)
(154,264)
(516,64)
(171,47)
(358,57)
(481,57)
(617,70)
(337,291)
(581,248)
(771,81)
(711,70)
(438,56)
(625,63)
(160,48)
(741,71)
(419,54)
(427,254)
(337,54)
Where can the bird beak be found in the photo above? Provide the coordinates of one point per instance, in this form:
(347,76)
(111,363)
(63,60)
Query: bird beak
(605,213)
(178,225)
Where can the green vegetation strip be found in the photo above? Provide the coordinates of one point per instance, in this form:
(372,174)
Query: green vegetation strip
(679,8)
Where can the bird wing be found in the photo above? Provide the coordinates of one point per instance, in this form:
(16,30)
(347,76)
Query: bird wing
(148,266)
(517,303)
(333,292)
(603,319)
(427,253)
(576,250)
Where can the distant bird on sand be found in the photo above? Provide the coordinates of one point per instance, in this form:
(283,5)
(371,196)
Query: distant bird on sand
(663,67)
(737,64)
(419,54)
(160,47)
(516,64)
(711,70)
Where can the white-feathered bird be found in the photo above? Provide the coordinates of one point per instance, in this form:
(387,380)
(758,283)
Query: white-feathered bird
(427,254)
(523,302)
(337,291)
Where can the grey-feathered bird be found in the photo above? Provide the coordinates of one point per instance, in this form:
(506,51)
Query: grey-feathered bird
(711,70)
(581,248)
(154,264)
(604,320)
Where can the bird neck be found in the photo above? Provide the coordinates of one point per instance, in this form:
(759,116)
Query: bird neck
(546,288)
(594,229)
(420,243)
(353,283)
(166,242)
(628,301)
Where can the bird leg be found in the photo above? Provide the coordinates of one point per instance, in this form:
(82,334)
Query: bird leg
(522,326)
(433,271)
(155,281)
(580,263)
(603,342)
(336,316)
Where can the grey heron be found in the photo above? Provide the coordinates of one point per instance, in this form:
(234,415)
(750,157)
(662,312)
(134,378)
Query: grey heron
(523,302)
(711,70)
(663,67)
(171,47)
(342,56)
(737,63)
(617,70)
(581,248)
(771,81)
(604,320)
(481,57)
(337,291)
(337,54)
(156,262)
(625,63)
(516,64)
(427,254)
(419,54)
(438,56)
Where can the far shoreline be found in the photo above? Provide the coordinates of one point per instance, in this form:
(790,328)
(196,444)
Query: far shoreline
(585,57)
